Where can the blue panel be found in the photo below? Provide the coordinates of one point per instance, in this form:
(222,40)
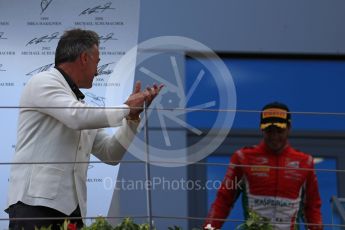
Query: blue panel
(304,85)
(216,173)
(327,187)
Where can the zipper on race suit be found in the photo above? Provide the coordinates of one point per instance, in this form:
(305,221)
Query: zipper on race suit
(276,187)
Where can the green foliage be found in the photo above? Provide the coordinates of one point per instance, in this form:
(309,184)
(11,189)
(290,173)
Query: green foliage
(101,224)
(44,228)
(65,226)
(175,228)
(255,222)
(128,224)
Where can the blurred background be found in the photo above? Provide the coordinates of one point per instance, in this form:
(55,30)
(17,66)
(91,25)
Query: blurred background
(222,62)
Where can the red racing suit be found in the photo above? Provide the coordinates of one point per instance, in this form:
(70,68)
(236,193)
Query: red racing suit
(275,193)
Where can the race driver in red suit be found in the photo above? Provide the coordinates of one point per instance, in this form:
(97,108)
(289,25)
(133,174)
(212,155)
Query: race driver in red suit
(277,181)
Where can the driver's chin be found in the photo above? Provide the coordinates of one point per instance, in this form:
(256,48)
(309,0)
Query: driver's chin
(275,147)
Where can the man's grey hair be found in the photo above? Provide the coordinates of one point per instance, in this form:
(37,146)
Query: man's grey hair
(72,43)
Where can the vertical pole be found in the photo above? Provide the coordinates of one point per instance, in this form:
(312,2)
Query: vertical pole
(147,169)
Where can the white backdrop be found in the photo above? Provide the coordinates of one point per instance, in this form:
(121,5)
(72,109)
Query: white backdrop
(29,31)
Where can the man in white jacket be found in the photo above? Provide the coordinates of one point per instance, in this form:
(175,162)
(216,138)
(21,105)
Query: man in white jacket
(56,128)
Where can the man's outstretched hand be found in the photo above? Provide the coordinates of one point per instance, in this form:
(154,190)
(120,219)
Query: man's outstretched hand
(137,99)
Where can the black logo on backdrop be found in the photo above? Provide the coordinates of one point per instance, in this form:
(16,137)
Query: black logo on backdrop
(2,36)
(104,70)
(40,69)
(97,100)
(107,37)
(44,5)
(43,39)
(97,9)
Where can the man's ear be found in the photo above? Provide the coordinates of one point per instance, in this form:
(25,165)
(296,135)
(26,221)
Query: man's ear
(289,128)
(84,57)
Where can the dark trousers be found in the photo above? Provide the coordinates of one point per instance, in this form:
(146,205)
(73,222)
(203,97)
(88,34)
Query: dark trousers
(21,210)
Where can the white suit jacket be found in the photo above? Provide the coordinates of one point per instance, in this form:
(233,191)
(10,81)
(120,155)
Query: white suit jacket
(68,131)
